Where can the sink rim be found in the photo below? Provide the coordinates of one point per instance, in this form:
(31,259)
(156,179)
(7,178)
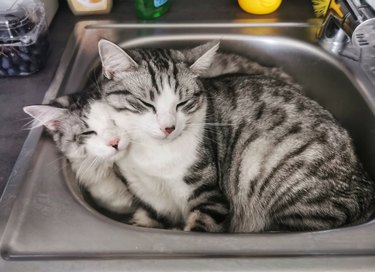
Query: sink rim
(34,137)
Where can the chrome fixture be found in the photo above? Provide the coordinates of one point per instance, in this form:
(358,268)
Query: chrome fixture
(348,30)
(344,19)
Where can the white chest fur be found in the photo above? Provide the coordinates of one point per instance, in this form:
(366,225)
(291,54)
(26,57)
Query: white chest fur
(155,172)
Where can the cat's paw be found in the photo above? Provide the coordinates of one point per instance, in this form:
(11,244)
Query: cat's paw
(192,223)
(141,218)
(201,222)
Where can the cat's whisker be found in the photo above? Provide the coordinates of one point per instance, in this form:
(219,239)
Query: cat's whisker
(78,171)
(83,164)
(216,124)
(57,159)
(25,118)
(140,143)
(30,123)
(26,129)
(211,139)
(214,131)
(29,128)
(209,126)
(64,166)
(89,167)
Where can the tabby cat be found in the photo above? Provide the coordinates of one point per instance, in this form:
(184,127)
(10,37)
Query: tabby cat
(238,153)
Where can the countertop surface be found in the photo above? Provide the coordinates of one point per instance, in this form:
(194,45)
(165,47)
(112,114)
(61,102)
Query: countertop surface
(22,91)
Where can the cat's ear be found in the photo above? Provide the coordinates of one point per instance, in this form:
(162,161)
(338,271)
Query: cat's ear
(206,59)
(195,52)
(114,59)
(48,116)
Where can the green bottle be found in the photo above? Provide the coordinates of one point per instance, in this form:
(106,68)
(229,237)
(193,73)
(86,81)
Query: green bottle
(150,9)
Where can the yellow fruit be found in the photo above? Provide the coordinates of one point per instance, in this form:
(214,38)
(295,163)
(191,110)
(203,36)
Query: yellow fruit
(259,6)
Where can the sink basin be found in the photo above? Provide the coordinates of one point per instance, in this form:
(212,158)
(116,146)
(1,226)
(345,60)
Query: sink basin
(43,215)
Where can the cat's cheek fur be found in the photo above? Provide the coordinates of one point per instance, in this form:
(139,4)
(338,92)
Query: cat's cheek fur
(180,125)
(72,151)
(99,149)
(152,127)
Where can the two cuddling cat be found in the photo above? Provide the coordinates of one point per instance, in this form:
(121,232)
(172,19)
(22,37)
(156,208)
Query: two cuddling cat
(172,139)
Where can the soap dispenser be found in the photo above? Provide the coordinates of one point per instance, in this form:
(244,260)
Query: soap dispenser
(150,9)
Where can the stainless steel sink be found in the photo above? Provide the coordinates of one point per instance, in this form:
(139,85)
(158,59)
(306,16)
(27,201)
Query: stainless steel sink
(43,216)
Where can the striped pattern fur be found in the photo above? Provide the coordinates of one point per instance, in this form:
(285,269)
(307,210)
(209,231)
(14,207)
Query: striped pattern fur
(276,159)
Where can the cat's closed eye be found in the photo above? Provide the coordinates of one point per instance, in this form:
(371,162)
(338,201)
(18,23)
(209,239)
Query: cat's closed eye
(188,105)
(179,105)
(89,132)
(148,105)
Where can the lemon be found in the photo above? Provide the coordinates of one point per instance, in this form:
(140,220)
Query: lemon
(259,6)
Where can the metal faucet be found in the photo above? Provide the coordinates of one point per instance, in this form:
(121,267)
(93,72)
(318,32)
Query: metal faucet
(348,23)
(348,31)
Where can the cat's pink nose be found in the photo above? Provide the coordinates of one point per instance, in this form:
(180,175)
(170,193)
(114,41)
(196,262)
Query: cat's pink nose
(168,130)
(114,142)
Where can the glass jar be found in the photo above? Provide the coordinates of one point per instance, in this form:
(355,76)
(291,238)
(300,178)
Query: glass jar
(24,41)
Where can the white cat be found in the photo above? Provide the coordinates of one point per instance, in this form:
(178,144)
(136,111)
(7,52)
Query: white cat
(85,133)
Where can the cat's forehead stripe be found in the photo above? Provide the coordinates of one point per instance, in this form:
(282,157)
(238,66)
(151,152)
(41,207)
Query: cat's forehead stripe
(166,72)
(152,75)
(162,63)
(175,72)
(151,95)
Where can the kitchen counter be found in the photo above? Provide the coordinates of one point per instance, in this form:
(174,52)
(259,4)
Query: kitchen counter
(18,92)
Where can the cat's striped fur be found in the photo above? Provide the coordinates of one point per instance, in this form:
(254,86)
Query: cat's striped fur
(286,164)
(281,161)
(229,63)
